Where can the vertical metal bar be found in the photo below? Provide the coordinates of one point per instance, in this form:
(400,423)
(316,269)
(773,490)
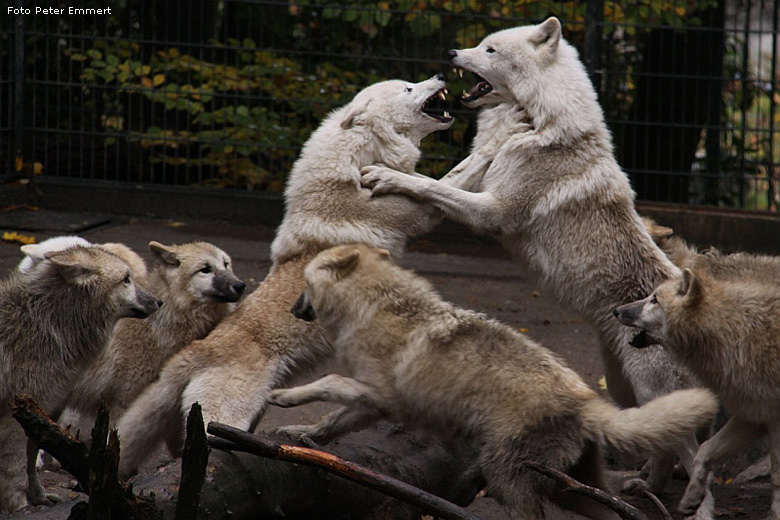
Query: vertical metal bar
(744,108)
(594,21)
(19,115)
(714,106)
(771,192)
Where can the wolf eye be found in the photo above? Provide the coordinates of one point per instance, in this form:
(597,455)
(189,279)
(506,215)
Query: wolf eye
(654,299)
(408,89)
(127,280)
(491,50)
(206,270)
(227,264)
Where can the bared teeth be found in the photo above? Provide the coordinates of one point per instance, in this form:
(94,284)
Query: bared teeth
(446,115)
(458,71)
(465,94)
(442,95)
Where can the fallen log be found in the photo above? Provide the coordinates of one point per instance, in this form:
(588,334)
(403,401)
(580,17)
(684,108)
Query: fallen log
(241,486)
(233,439)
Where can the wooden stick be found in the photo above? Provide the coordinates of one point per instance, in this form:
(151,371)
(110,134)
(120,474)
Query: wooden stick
(621,507)
(263,447)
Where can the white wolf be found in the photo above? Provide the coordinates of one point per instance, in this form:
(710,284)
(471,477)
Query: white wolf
(415,358)
(231,371)
(54,319)
(721,319)
(556,199)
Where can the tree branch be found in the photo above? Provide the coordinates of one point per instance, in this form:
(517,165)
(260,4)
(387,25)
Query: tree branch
(621,507)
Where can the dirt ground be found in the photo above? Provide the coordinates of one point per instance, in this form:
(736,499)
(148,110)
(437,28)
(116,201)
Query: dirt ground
(469,271)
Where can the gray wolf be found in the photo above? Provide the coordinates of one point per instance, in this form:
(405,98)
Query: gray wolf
(554,196)
(197,284)
(721,318)
(412,357)
(230,372)
(54,320)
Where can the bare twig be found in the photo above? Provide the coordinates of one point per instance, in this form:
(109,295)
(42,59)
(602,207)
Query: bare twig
(621,507)
(263,447)
(655,500)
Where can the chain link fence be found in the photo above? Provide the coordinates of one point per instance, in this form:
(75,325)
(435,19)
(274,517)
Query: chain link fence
(222,94)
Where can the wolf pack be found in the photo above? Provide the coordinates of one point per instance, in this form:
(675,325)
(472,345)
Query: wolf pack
(682,333)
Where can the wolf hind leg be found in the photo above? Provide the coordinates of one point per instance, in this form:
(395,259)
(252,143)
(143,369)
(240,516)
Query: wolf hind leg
(735,435)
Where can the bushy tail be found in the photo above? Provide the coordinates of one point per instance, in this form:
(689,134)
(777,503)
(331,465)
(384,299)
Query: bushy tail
(654,427)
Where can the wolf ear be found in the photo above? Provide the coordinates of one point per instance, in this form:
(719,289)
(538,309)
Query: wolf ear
(356,115)
(384,254)
(164,253)
(690,287)
(547,34)
(344,263)
(71,265)
(32,250)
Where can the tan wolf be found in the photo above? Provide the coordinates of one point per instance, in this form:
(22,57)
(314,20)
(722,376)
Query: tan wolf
(556,199)
(54,320)
(231,371)
(721,318)
(413,357)
(198,287)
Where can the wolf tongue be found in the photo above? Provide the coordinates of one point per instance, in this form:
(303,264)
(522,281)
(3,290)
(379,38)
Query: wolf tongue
(481,88)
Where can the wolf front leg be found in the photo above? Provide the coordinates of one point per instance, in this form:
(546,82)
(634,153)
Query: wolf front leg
(332,388)
(333,425)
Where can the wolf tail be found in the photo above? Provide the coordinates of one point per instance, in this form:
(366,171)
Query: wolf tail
(656,426)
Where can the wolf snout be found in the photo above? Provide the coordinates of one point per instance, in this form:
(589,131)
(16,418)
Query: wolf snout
(146,306)
(228,288)
(303,310)
(452,53)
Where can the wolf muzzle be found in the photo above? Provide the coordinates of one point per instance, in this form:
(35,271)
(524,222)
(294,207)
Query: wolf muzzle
(302,310)
(627,315)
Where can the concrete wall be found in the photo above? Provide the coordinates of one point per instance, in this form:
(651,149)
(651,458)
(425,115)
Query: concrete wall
(729,230)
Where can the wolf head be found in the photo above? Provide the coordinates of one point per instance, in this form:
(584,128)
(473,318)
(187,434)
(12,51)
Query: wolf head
(535,68)
(106,277)
(325,294)
(400,107)
(652,314)
(34,253)
(197,272)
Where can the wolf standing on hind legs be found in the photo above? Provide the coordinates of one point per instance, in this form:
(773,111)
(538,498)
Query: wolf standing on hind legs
(54,320)
(556,199)
(232,370)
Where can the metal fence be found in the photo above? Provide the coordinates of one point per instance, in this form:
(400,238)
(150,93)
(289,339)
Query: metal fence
(223,93)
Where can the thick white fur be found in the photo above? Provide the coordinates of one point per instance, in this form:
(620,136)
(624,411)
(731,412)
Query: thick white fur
(557,200)
(231,371)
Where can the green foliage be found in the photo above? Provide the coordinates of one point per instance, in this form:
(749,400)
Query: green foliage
(201,119)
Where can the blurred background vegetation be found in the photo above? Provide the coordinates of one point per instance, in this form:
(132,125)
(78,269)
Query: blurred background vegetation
(222,94)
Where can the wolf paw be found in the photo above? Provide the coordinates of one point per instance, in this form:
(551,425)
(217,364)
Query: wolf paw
(635,486)
(44,499)
(298,432)
(690,502)
(380,179)
(282,398)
